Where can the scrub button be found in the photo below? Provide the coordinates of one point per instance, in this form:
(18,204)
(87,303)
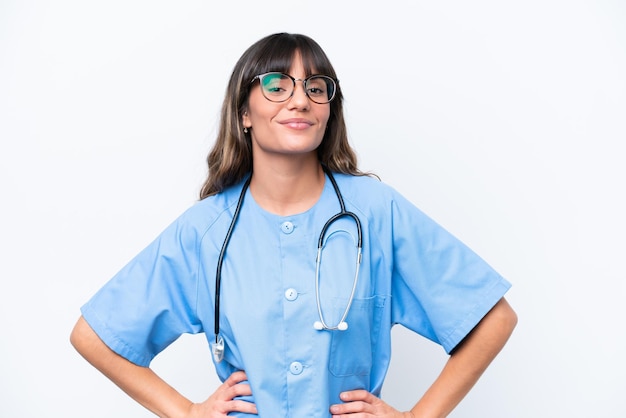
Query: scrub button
(296,367)
(287,227)
(291,294)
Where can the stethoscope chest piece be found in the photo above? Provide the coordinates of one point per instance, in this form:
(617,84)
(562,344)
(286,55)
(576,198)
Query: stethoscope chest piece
(217,348)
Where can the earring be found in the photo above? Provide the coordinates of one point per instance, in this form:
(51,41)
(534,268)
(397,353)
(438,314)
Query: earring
(245,130)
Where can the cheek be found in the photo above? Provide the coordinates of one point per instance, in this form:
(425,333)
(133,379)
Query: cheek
(259,109)
(324,116)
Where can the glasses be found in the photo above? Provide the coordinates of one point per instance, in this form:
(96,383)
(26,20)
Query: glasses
(279,87)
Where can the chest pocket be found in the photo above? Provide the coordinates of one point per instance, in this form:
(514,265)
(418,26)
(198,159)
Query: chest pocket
(351,351)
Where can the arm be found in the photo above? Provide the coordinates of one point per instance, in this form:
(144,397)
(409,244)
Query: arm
(463,369)
(143,385)
(468,362)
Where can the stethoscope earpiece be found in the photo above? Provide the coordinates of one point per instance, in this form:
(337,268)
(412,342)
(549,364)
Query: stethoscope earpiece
(342,326)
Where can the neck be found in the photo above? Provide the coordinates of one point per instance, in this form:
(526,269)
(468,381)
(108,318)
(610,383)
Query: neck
(287,187)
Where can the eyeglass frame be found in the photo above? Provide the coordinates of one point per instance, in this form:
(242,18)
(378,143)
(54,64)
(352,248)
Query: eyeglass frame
(293,79)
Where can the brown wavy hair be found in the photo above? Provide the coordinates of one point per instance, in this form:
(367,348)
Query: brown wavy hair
(230,159)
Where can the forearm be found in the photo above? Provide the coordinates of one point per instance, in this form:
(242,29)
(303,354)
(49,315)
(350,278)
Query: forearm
(141,383)
(467,363)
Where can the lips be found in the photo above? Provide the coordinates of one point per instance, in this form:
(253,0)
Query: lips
(296,123)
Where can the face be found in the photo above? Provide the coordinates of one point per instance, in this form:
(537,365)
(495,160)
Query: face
(293,127)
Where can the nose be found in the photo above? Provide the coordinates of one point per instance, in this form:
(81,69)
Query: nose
(299,99)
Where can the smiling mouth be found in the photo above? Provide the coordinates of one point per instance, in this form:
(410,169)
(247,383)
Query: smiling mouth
(297,123)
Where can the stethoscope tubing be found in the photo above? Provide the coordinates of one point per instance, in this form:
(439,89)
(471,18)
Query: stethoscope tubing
(321,324)
(341,325)
(220,260)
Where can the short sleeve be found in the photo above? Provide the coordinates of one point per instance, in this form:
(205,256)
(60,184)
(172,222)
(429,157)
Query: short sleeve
(441,289)
(152,300)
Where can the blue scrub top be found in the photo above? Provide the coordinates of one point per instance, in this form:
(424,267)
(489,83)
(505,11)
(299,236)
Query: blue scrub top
(413,272)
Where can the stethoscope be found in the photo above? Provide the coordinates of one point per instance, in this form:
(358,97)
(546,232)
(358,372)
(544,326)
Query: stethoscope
(217,347)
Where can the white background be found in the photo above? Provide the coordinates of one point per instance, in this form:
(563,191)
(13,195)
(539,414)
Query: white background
(504,121)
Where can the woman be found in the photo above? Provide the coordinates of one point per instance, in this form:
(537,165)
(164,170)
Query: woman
(298,312)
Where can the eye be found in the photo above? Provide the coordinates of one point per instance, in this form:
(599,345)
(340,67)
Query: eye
(316,90)
(275,83)
(274,89)
(316,87)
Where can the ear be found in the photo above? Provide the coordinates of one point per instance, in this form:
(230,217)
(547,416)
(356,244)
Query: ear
(245,120)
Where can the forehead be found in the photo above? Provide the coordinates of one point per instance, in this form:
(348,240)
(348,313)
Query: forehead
(297,64)
(298,69)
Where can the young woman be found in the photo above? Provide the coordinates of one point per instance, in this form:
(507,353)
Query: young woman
(296,265)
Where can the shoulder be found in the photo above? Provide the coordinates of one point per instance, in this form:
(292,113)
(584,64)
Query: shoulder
(368,192)
(354,183)
(208,212)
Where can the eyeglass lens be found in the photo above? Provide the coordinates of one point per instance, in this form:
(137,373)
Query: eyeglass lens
(278,87)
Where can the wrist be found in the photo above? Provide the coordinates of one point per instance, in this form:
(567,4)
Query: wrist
(192,411)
